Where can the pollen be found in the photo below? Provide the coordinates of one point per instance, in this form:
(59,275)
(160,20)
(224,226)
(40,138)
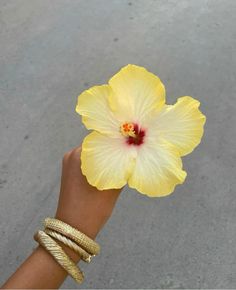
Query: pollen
(133,133)
(127,129)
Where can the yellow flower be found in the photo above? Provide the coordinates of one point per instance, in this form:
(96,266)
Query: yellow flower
(137,138)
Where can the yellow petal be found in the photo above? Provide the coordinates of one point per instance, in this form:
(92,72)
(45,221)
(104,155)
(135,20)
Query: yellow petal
(106,162)
(158,169)
(181,124)
(93,106)
(137,94)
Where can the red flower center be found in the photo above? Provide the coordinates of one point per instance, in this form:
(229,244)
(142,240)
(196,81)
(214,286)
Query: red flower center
(133,133)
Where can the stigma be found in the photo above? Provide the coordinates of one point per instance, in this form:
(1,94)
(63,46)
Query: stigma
(133,133)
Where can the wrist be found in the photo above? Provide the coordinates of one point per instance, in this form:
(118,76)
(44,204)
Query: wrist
(87,217)
(85,223)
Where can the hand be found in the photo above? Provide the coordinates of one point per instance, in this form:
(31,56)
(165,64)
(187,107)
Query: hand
(80,204)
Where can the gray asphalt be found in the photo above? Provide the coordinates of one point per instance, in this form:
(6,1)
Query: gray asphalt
(50,51)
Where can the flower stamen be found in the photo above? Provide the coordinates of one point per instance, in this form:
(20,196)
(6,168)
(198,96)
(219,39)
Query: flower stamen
(133,133)
(127,129)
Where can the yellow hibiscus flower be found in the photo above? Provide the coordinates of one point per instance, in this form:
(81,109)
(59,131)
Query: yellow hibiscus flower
(137,138)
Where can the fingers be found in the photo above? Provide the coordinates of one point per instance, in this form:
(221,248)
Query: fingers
(73,155)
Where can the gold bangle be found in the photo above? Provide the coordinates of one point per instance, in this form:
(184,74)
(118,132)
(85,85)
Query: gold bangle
(72,245)
(81,239)
(59,255)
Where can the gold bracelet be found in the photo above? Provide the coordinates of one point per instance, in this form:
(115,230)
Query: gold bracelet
(59,255)
(82,253)
(81,239)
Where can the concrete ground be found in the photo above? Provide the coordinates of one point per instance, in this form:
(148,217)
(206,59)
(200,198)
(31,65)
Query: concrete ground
(50,51)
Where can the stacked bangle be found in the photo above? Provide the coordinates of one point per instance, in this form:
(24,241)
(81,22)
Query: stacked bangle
(71,237)
(67,242)
(59,255)
(81,239)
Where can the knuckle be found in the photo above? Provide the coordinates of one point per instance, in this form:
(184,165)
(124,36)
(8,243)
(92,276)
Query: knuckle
(66,157)
(72,156)
(75,154)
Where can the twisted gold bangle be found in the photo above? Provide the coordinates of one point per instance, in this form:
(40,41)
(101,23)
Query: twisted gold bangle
(59,255)
(81,239)
(82,253)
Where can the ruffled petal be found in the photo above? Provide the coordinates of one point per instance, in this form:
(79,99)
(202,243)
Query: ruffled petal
(181,124)
(106,162)
(137,94)
(96,114)
(158,169)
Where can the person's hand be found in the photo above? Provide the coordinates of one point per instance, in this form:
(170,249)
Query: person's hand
(80,204)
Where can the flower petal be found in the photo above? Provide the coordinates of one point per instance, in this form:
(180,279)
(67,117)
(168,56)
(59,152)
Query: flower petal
(181,124)
(137,94)
(106,162)
(158,169)
(93,106)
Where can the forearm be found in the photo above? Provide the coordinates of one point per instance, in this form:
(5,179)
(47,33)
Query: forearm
(40,269)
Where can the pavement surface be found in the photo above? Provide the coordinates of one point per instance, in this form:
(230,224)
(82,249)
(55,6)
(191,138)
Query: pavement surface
(50,51)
